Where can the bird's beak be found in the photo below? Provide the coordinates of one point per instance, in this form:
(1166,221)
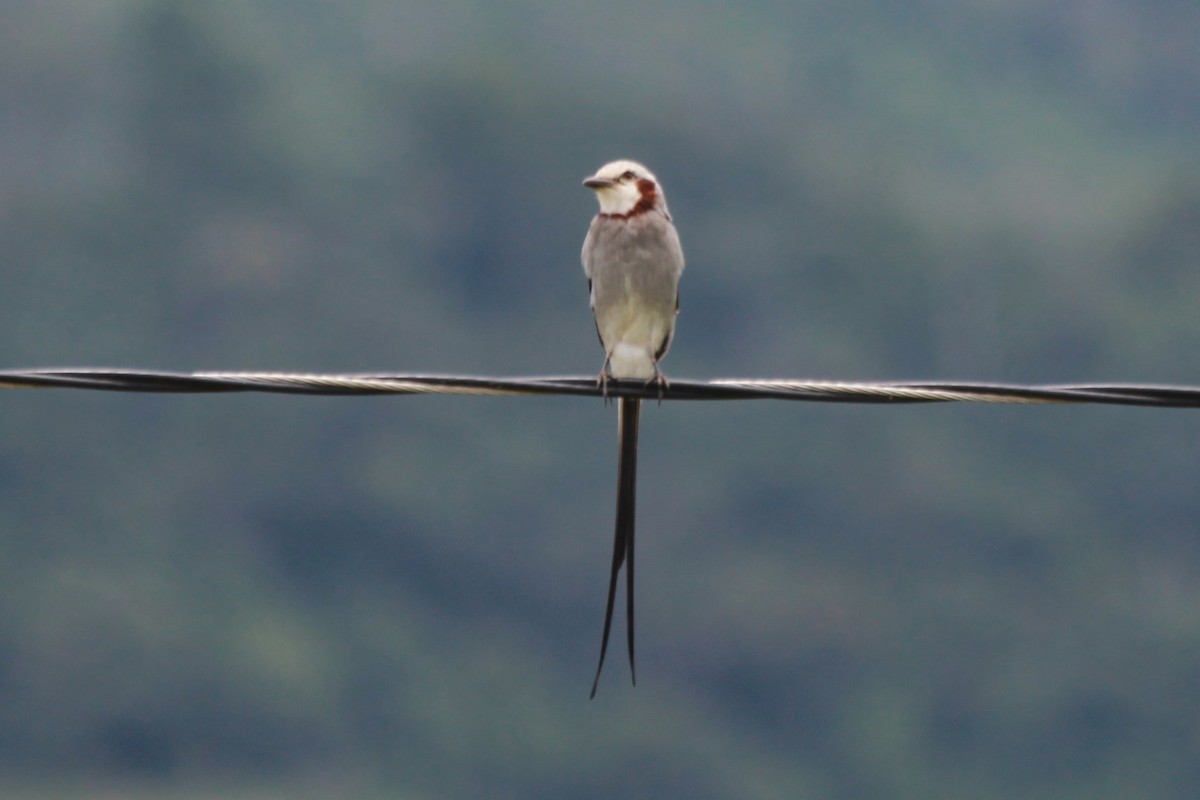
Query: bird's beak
(597,183)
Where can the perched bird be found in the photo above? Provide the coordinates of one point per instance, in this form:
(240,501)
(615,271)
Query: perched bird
(632,259)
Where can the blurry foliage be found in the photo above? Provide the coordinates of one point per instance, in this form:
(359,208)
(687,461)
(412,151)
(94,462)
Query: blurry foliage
(353,597)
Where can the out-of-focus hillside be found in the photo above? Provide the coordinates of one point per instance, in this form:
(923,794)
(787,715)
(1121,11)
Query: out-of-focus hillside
(365,597)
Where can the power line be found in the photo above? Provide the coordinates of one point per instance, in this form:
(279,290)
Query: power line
(123,380)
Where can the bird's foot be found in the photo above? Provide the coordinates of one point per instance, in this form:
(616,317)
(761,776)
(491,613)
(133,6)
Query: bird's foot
(660,381)
(602,382)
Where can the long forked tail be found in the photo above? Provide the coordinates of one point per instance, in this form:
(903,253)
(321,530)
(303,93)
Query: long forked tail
(628,412)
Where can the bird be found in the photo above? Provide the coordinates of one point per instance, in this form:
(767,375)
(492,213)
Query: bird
(633,260)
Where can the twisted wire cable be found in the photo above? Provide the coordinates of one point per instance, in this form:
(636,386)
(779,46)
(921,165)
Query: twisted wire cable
(381,383)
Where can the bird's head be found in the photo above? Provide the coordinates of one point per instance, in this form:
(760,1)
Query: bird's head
(626,189)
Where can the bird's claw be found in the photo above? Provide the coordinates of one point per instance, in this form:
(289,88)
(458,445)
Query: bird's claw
(660,381)
(602,382)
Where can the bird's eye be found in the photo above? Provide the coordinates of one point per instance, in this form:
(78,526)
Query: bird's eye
(628,175)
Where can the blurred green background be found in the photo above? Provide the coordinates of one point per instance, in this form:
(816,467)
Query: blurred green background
(268,597)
